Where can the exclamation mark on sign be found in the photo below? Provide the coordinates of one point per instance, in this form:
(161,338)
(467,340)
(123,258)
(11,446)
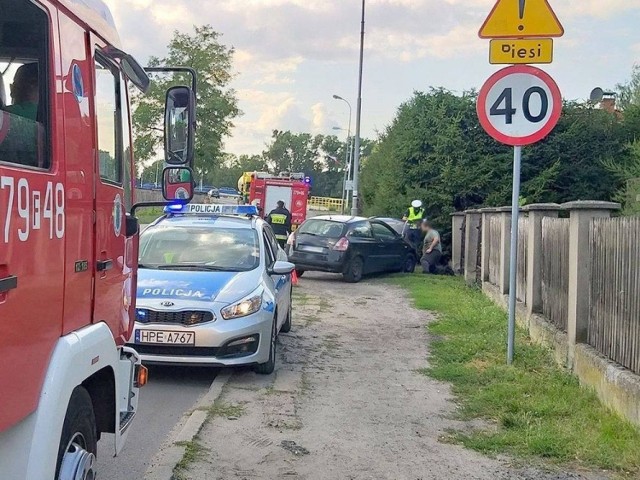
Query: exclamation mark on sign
(521,13)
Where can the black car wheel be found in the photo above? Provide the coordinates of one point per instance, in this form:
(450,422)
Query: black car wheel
(299,273)
(409,264)
(355,269)
(268,367)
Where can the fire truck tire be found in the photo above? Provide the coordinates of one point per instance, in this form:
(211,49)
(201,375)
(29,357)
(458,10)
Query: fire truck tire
(78,442)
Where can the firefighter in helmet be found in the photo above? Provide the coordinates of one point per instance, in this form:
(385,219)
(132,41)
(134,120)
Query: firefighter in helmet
(414,217)
(280,220)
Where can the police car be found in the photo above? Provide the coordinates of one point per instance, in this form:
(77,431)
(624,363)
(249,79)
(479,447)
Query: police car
(214,288)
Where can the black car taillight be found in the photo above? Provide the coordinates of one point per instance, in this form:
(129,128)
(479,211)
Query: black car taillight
(341,245)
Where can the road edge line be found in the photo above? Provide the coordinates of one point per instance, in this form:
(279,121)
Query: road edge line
(169,454)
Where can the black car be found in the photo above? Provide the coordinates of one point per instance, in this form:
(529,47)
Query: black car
(396,224)
(352,246)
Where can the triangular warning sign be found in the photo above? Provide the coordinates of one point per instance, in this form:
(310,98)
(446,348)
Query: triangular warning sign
(521,19)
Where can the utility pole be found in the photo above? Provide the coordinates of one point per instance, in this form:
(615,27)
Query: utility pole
(356,159)
(347,159)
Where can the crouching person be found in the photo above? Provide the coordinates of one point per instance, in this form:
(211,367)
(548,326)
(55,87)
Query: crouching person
(432,248)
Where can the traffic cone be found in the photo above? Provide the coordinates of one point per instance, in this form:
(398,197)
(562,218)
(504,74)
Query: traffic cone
(294,278)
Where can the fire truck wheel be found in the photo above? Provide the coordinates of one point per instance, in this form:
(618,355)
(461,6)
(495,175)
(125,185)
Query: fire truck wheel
(78,443)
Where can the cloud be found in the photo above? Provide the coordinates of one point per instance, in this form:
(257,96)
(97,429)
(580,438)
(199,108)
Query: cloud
(265,71)
(290,54)
(596,8)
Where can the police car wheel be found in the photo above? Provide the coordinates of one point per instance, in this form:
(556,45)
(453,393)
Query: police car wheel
(268,367)
(78,442)
(355,269)
(286,326)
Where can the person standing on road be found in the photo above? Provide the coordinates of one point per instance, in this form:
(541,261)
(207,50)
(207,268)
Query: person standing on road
(414,216)
(280,220)
(432,248)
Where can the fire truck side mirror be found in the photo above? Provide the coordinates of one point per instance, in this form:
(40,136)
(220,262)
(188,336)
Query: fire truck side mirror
(177,184)
(179,126)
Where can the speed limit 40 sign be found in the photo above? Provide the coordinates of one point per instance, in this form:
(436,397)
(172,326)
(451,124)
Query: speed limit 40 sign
(519,105)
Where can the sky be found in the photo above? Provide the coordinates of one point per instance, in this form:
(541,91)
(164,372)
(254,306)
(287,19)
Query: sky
(292,56)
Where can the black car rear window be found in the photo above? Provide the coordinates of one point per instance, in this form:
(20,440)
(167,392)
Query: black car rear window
(322,228)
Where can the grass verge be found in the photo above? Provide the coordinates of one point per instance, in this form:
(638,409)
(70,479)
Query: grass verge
(149,214)
(193,451)
(536,409)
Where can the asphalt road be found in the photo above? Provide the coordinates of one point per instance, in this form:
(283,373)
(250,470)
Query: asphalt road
(171,391)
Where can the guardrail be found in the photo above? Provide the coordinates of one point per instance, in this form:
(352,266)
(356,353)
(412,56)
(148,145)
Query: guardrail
(325,203)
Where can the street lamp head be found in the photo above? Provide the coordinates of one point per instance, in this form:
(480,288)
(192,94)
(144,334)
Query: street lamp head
(338,128)
(338,97)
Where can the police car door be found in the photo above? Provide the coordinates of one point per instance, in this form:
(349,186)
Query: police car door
(280,282)
(113,191)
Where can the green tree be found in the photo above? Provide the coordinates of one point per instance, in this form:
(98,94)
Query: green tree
(321,157)
(216,101)
(152,171)
(231,169)
(627,172)
(629,92)
(435,150)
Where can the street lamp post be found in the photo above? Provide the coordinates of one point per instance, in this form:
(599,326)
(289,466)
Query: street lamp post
(347,171)
(356,160)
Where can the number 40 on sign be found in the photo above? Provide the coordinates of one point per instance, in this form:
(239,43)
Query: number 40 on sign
(519,105)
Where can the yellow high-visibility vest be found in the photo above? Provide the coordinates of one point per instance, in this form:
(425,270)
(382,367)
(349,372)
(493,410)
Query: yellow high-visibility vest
(278,219)
(415,216)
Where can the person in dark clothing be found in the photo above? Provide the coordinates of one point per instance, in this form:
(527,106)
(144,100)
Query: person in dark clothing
(280,220)
(25,93)
(432,248)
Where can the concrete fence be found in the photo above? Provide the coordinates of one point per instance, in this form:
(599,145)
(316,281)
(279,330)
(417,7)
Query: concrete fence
(578,286)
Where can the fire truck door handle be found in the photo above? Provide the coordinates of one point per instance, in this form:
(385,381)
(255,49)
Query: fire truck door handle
(8,283)
(105,265)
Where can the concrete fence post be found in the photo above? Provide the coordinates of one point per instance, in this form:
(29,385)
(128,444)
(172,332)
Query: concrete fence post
(537,212)
(457,222)
(581,214)
(471,239)
(505,249)
(487,215)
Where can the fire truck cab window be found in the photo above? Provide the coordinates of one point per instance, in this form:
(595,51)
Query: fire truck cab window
(108,111)
(24,85)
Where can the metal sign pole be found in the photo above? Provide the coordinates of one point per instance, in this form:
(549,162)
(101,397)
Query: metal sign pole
(513,262)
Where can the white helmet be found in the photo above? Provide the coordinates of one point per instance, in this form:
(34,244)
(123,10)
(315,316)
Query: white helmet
(416,204)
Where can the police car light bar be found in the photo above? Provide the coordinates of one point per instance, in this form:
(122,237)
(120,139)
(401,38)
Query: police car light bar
(212,209)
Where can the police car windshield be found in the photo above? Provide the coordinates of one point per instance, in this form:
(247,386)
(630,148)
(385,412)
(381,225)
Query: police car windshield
(189,248)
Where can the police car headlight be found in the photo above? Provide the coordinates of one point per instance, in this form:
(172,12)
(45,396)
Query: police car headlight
(244,307)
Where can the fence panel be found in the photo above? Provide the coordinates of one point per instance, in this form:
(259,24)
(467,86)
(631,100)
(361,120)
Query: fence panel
(326,203)
(614,317)
(521,279)
(495,234)
(555,270)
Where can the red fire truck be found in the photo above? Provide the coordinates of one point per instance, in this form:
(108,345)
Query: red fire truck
(266,190)
(68,248)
